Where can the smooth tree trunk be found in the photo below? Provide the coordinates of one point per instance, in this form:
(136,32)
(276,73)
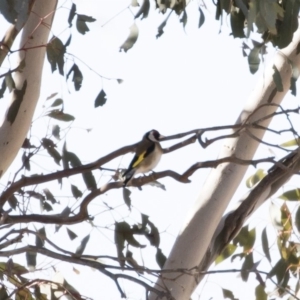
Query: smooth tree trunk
(25,95)
(193,244)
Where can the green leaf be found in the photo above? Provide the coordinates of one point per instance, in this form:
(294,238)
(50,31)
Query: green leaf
(75,191)
(160,29)
(72,14)
(49,196)
(17,99)
(40,237)
(3,293)
(289,24)
(277,79)
(65,213)
(57,102)
(153,236)
(61,116)
(55,54)
(131,39)
(253,59)
(89,180)
(260,293)
(9,82)
(228,294)
(246,238)
(101,99)
(81,23)
(56,131)
(183,19)
(227,252)
(126,197)
(201,17)
(31,259)
(77,77)
(237,21)
(72,235)
(255,178)
(279,270)
(13,202)
(2,91)
(291,143)
(26,162)
(247,265)
(82,245)
(45,206)
(265,244)
(160,258)
(291,195)
(144,10)
(297,219)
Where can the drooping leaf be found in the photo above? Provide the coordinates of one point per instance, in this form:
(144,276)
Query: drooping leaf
(227,252)
(40,237)
(131,39)
(31,259)
(265,244)
(291,143)
(65,213)
(237,21)
(255,178)
(61,116)
(72,14)
(17,101)
(72,235)
(55,54)
(201,17)
(49,196)
(45,206)
(56,131)
(297,219)
(279,270)
(50,147)
(82,245)
(291,195)
(36,195)
(260,293)
(9,82)
(160,258)
(144,10)
(75,191)
(81,23)
(89,180)
(15,12)
(183,19)
(57,102)
(277,79)
(228,294)
(26,162)
(132,262)
(3,88)
(160,28)
(13,202)
(126,197)
(101,99)
(153,235)
(253,59)
(246,238)
(289,24)
(275,215)
(77,77)
(51,96)
(246,266)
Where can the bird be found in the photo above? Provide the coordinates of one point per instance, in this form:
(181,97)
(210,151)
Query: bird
(147,156)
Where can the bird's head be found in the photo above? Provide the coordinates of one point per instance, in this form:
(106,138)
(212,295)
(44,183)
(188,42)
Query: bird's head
(153,135)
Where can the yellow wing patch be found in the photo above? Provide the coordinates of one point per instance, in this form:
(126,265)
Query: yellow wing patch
(139,159)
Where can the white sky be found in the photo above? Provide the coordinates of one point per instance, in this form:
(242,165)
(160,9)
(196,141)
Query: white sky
(183,80)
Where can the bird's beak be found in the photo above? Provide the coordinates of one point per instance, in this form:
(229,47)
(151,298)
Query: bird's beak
(161,137)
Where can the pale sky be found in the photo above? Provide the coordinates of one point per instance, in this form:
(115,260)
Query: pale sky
(184,80)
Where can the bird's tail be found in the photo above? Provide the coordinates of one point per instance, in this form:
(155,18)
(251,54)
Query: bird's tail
(127,175)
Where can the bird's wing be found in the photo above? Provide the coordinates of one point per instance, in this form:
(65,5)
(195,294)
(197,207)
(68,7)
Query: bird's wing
(137,159)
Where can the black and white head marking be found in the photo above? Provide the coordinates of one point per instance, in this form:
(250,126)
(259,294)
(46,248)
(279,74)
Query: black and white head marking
(153,135)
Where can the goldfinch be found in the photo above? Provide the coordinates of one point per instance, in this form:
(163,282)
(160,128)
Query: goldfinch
(147,155)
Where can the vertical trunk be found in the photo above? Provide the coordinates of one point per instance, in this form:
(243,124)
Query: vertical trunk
(194,239)
(24,97)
